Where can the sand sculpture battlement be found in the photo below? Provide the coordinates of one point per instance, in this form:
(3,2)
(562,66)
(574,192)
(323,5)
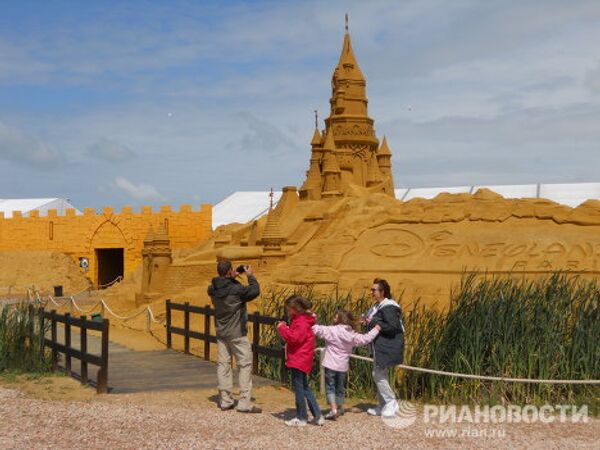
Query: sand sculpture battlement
(108,210)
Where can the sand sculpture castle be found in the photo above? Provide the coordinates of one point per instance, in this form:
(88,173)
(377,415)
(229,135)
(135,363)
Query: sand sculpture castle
(343,226)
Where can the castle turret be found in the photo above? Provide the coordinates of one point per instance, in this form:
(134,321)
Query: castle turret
(311,189)
(374,176)
(156,259)
(384,160)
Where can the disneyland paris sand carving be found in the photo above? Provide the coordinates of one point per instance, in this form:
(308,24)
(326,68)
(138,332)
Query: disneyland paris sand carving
(339,230)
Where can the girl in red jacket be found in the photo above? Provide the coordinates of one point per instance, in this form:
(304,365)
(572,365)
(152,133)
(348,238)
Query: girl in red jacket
(300,350)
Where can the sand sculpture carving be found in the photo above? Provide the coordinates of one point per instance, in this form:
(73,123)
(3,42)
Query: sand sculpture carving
(344,226)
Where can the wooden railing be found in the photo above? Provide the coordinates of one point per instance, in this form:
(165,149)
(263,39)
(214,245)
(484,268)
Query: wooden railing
(82,353)
(207,312)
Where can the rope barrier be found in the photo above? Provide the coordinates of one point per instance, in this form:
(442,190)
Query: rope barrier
(474,377)
(150,317)
(110,283)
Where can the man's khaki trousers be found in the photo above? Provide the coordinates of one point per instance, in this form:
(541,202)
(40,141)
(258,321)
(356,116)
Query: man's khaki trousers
(241,350)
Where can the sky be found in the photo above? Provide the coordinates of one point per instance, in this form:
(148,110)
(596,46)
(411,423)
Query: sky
(149,103)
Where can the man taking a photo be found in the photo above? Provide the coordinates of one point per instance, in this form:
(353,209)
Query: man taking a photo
(229,298)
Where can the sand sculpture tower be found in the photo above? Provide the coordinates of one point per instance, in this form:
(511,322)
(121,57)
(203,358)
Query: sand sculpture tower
(352,141)
(156,256)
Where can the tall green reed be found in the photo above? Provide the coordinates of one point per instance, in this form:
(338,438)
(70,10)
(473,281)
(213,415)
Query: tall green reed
(501,326)
(22,340)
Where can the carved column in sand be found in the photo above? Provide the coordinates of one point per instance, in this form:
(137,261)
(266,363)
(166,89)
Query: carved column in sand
(156,256)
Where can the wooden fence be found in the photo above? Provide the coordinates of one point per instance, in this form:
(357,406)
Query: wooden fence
(82,353)
(207,312)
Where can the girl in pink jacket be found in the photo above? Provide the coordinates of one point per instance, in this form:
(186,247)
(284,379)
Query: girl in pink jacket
(340,339)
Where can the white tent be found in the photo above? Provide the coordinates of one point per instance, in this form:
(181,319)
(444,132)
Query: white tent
(26,205)
(242,207)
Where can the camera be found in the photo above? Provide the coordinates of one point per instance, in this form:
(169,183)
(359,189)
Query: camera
(241,268)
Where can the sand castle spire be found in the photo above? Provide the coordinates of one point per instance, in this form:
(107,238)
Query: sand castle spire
(272,237)
(384,160)
(311,189)
(374,174)
(354,145)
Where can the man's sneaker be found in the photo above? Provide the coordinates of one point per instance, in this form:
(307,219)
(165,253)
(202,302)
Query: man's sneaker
(253,410)
(320,421)
(390,409)
(227,407)
(374,411)
(295,422)
(331,415)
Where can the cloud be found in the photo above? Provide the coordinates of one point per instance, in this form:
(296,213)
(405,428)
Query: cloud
(22,148)
(592,80)
(262,136)
(140,191)
(111,151)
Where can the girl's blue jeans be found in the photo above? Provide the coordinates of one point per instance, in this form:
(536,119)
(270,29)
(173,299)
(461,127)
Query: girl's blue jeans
(303,395)
(335,386)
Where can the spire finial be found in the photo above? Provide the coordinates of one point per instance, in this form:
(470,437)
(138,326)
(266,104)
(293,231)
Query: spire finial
(346,22)
(271,199)
(316,119)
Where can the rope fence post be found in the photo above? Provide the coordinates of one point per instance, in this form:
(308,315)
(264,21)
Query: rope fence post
(148,319)
(322,372)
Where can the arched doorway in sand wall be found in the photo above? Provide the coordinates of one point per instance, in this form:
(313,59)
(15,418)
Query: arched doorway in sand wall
(109,251)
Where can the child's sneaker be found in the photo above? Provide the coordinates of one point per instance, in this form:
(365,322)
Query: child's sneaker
(374,411)
(320,421)
(331,415)
(295,422)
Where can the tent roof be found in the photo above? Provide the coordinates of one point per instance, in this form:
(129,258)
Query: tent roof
(26,205)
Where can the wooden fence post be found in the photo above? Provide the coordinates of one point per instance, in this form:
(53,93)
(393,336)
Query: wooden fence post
(102,383)
(53,338)
(168,308)
(255,342)
(186,327)
(68,344)
(83,340)
(207,335)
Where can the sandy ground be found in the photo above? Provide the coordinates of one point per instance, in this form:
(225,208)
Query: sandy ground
(55,412)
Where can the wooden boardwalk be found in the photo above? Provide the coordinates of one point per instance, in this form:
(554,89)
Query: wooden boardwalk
(132,371)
